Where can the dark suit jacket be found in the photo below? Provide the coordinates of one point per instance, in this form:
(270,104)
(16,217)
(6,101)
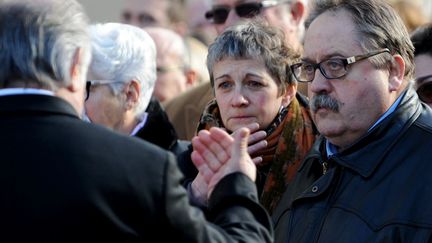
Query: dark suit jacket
(64,180)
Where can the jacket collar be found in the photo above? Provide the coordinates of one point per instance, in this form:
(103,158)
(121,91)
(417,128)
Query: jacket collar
(31,103)
(368,152)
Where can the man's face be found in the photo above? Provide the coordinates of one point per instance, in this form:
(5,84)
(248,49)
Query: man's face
(144,13)
(360,97)
(423,75)
(278,16)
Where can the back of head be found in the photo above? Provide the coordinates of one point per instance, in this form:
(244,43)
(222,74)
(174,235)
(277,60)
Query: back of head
(123,52)
(422,40)
(378,26)
(255,40)
(38,42)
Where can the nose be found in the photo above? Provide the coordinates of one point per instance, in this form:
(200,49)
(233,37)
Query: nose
(319,84)
(239,99)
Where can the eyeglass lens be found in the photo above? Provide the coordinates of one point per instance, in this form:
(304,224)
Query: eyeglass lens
(244,10)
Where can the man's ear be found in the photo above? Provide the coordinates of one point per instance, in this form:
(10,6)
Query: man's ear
(397,73)
(298,11)
(76,83)
(133,92)
(191,78)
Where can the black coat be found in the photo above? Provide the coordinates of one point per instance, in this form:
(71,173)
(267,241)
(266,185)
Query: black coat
(65,180)
(377,190)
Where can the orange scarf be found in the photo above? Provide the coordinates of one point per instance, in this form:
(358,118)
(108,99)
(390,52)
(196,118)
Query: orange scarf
(289,139)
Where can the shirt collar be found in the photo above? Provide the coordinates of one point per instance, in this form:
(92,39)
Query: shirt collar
(141,124)
(332,149)
(23,91)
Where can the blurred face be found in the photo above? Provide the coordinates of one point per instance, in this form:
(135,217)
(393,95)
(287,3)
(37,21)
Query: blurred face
(171,79)
(345,108)
(144,13)
(423,74)
(170,82)
(246,93)
(103,107)
(279,16)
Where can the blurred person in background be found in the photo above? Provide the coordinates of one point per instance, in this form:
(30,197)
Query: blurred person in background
(411,13)
(174,74)
(422,41)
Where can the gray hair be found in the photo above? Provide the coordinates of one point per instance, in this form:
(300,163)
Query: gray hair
(123,52)
(254,39)
(378,26)
(38,41)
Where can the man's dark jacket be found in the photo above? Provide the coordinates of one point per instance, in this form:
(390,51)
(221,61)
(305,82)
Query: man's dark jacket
(377,190)
(65,180)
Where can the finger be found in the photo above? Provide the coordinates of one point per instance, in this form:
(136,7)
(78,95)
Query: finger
(256,136)
(240,142)
(222,137)
(253,127)
(206,155)
(257,147)
(201,166)
(257,160)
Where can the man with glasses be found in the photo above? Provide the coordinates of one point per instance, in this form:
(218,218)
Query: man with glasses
(367,178)
(122,78)
(184,111)
(422,40)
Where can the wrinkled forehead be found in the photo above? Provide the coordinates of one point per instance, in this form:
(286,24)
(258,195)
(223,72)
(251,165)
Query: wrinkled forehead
(331,33)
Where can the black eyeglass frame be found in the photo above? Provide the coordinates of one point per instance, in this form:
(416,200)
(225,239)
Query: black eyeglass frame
(345,61)
(89,83)
(255,9)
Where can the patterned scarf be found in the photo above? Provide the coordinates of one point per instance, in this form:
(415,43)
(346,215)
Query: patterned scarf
(290,136)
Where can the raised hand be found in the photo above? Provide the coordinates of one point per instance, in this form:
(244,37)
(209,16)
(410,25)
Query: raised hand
(217,154)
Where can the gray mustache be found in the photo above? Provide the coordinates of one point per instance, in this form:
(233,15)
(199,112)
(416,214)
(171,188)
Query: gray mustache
(324,101)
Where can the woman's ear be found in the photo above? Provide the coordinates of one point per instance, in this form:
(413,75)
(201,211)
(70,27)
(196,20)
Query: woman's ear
(397,73)
(289,94)
(132,91)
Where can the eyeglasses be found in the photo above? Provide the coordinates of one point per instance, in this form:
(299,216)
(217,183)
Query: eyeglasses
(166,69)
(143,19)
(219,14)
(332,68)
(89,83)
(424,91)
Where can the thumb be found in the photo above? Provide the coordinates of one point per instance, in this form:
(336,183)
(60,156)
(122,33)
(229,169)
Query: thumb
(240,142)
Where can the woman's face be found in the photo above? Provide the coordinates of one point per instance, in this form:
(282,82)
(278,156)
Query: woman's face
(246,93)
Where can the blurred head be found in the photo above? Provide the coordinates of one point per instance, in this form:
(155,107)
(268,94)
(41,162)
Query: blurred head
(364,58)
(422,40)
(199,26)
(121,76)
(285,14)
(45,45)
(250,75)
(146,13)
(157,13)
(172,63)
